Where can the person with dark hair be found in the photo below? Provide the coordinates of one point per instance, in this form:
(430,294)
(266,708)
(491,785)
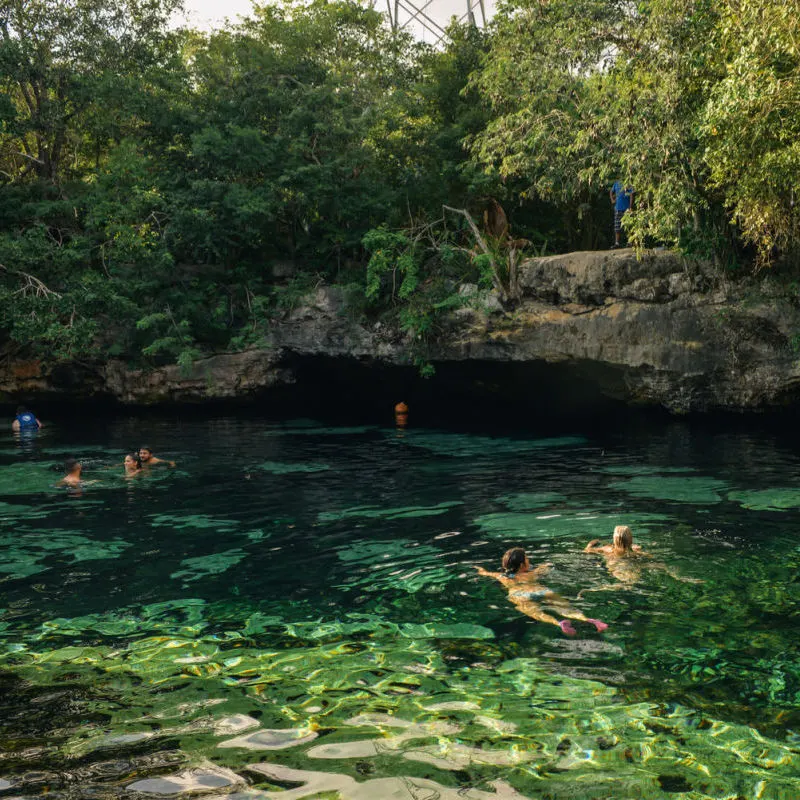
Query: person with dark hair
(528,594)
(25,420)
(148,459)
(72,468)
(132,464)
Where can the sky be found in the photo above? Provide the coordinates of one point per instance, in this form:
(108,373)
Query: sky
(209,14)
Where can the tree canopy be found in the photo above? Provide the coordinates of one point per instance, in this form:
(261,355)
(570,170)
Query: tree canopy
(165,193)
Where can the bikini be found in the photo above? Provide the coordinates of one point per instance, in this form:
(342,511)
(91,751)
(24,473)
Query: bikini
(527,594)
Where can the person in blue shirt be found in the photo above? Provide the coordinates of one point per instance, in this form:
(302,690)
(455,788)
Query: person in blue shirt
(622,200)
(25,420)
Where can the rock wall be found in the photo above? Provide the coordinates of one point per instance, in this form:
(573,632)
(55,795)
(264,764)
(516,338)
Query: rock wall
(651,330)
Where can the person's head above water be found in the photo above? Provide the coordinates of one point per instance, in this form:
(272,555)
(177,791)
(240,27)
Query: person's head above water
(623,538)
(132,460)
(72,465)
(513,560)
(145,453)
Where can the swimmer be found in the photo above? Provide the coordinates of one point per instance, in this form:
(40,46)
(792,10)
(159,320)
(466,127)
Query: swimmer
(529,595)
(148,459)
(132,464)
(25,420)
(72,468)
(625,561)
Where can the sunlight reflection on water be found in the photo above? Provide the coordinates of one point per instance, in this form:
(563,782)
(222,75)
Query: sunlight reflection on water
(309,591)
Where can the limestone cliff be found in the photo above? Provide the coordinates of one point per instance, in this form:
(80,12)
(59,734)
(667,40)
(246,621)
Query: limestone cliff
(653,329)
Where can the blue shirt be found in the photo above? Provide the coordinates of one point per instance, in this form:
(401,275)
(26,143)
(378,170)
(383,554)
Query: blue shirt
(623,195)
(27,422)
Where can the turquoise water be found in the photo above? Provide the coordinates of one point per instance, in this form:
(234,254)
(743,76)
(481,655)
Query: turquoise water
(292,612)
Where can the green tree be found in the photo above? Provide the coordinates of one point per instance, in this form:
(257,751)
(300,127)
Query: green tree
(751,122)
(584,92)
(66,68)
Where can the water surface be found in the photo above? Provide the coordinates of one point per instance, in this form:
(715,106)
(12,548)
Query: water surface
(293,610)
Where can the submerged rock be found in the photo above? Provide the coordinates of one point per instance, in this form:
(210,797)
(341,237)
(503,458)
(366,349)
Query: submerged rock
(190,781)
(272,739)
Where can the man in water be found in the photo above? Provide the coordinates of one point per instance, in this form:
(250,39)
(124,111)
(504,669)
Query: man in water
(148,459)
(72,468)
(25,420)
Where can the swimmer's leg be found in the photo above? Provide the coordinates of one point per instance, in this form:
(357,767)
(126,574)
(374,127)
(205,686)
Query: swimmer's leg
(534,611)
(564,609)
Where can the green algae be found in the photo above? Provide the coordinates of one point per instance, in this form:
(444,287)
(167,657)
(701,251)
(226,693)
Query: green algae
(402,512)
(192,522)
(767,499)
(17,511)
(28,478)
(22,553)
(203,566)
(399,564)
(280,468)
(532,501)
(442,631)
(696,490)
(469,446)
(644,469)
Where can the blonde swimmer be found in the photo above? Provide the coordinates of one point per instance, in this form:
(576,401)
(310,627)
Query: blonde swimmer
(625,561)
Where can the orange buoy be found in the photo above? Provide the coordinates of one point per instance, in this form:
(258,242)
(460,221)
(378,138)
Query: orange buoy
(401,415)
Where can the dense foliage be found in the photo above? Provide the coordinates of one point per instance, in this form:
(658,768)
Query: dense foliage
(165,193)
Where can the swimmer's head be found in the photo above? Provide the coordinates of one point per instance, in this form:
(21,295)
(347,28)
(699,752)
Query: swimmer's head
(513,559)
(21,410)
(71,465)
(133,460)
(623,538)
(145,454)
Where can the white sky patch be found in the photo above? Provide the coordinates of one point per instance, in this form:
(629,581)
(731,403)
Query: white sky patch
(208,15)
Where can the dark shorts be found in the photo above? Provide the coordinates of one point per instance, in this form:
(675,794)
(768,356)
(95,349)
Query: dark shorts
(618,219)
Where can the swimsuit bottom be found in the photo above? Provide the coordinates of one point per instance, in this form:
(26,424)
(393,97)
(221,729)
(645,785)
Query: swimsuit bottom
(534,594)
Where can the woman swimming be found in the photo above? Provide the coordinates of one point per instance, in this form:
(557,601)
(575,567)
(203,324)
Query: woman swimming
(529,595)
(625,561)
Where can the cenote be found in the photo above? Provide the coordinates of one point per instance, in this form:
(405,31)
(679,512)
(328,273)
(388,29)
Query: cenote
(293,612)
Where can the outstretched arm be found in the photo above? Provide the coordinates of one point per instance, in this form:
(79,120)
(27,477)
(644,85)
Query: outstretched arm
(592,547)
(606,587)
(672,573)
(486,573)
